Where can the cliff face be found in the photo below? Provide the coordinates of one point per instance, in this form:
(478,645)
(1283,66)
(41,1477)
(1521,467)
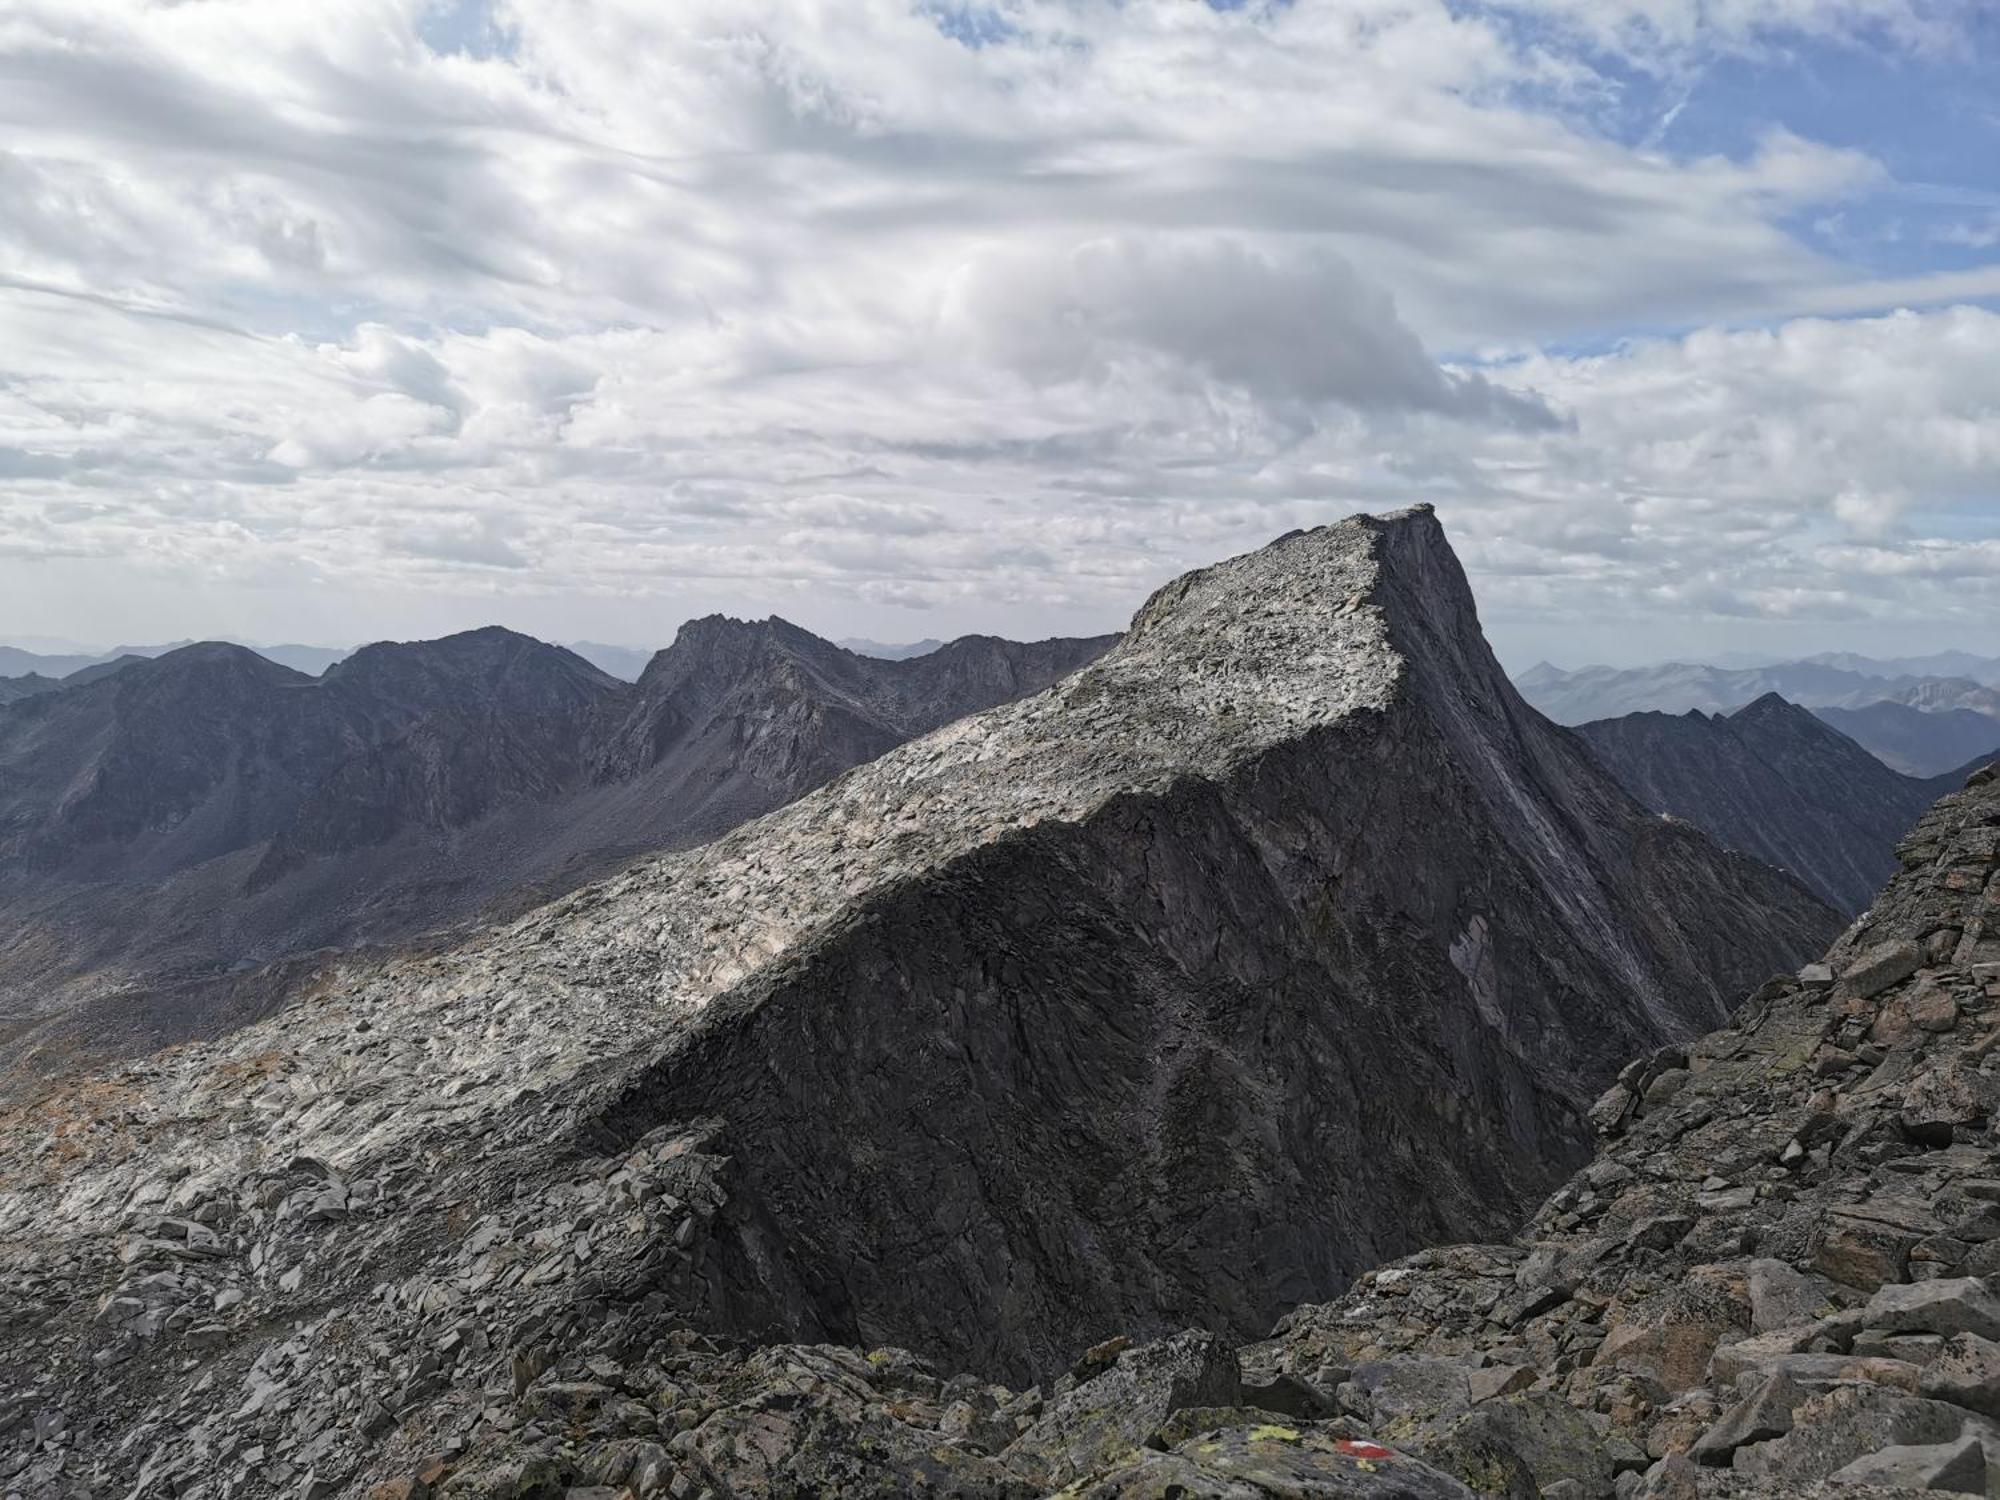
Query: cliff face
(1281,937)
(1776,782)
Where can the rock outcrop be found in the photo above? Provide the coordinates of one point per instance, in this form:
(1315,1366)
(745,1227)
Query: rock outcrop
(179,842)
(1281,938)
(1774,781)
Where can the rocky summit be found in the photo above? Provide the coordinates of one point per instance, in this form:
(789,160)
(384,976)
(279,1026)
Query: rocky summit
(1282,939)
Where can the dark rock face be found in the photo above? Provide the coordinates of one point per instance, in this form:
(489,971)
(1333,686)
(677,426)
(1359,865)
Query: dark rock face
(170,827)
(1774,781)
(461,728)
(1279,937)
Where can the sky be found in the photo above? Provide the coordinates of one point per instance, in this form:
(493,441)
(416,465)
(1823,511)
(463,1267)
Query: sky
(371,319)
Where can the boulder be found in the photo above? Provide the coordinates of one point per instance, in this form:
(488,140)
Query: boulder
(1762,1352)
(1396,1395)
(1881,966)
(1833,1429)
(1764,1414)
(1939,1099)
(1781,1297)
(1536,1435)
(1609,1114)
(1099,1420)
(1946,1306)
(1674,1352)
(1966,1372)
(1862,1253)
(1956,1468)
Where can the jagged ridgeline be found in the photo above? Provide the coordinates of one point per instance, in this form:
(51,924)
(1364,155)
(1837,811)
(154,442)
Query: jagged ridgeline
(1280,939)
(183,841)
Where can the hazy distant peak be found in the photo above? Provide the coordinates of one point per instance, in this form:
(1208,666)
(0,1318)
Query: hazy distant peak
(887,650)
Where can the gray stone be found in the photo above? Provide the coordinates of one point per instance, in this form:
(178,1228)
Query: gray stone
(1957,1468)
(1881,966)
(1966,1372)
(1781,1297)
(1662,1089)
(1536,1434)
(1242,1463)
(1608,1115)
(1847,1422)
(1764,1414)
(1944,1306)
(1113,1413)
(1410,1389)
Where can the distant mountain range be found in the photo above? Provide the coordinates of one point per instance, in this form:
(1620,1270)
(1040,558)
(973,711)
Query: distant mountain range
(626,663)
(16,663)
(1916,741)
(1776,781)
(1984,669)
(24,672)
(862,646)
(173,827)
(1918,724)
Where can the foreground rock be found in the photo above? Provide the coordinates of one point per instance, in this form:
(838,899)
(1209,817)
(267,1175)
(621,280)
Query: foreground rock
(1281,939)
(1777,1274)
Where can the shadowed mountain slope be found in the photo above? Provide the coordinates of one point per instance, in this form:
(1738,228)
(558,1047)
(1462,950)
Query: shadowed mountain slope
(1281,937)
(1774,781)
(28,685)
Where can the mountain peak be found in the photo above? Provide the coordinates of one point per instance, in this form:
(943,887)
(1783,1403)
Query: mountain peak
(466,660)
(209,653)
(1773,780)
(1288,868)
(1771,707)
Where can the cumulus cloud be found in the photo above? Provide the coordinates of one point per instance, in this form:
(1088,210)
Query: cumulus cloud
(999,311)
(1300,333)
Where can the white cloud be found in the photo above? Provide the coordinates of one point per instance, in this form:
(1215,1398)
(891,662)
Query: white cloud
(811,305)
